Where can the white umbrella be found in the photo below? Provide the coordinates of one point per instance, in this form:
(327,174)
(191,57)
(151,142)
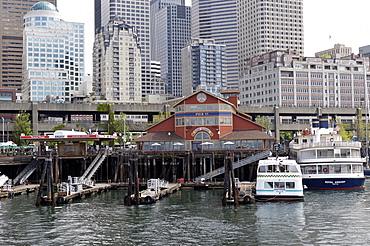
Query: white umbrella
(156,144)
(206,143)
(229,142)
(179,144)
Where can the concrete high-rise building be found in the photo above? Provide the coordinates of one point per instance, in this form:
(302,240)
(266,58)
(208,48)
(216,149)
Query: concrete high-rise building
(157,84)
(265,26)
(171,28)
(136,14)
(217,19)
(286,79)
(339,51)
(53,60)
(11,40)
(117,63)
(203,67)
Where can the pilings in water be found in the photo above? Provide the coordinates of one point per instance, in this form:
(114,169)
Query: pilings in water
(231,193)
(133,182)
(48,172)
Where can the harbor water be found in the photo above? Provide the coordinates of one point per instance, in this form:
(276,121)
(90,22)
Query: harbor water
(189,217)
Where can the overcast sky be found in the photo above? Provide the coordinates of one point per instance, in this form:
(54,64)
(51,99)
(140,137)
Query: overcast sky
(326,22)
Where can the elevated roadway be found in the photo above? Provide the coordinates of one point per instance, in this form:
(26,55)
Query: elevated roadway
(40,111)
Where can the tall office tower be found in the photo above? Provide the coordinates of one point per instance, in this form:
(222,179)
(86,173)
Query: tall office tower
(217,19)
(203,66)
(117,63)
(11,40)
(136,14)
(269,25)
(53,61)
(171,28)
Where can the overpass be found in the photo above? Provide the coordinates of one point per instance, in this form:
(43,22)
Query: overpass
(41,111)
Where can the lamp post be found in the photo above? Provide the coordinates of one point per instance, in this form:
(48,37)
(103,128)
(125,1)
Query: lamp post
(3,127)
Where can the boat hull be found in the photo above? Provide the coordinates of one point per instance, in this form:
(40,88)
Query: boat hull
(279,198)
(334,183)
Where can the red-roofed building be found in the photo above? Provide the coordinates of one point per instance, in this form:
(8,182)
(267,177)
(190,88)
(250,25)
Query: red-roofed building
(204,122)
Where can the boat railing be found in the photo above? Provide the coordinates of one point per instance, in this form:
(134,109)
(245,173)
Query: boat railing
(326,144)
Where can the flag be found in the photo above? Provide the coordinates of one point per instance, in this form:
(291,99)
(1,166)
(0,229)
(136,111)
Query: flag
(336,128)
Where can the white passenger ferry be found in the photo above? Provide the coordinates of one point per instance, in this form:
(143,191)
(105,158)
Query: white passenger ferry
(326,161)
(279,178)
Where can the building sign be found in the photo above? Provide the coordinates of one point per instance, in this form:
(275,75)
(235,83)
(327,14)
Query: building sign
(202,129)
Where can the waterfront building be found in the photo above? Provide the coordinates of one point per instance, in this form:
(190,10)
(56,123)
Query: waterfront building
(117,63)
(203,66)
(136,14)
(205,122)
(217,19)
(284,78)
(53,61)
(11,40)
(170,29)
(339,51)
(266,26)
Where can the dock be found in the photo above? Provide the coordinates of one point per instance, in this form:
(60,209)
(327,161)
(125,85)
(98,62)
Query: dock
(63,198)
(17,190)
(156,190)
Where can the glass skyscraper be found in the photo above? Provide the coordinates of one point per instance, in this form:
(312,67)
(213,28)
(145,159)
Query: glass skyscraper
(11,40)
(171,28)
(203,67)
(217,19)
(53,61)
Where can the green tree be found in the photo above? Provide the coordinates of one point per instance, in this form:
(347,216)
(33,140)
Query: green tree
(22,125)
(360,126)
(263,121)
(325,56)
(106,107)
(159,117)
(59,127)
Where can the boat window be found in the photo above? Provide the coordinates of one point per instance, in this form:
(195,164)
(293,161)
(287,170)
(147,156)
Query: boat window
(308,169)
(290,185)
(304,140)
(262,169)
(268,185)
(357,168)
(293,169)
(324,169)
(279,185)
(308,154)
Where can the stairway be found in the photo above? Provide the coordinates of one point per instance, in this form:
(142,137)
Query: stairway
(237,164)
(90,171)
(26,172)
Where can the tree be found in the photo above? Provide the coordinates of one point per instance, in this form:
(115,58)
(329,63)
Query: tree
(105,107)
(263,121)
(22,125)
(59,127)
(159,117)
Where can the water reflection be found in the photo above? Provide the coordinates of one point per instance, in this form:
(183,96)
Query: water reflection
(189,218)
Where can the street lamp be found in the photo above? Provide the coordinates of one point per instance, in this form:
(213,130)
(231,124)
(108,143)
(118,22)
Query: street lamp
(3,127)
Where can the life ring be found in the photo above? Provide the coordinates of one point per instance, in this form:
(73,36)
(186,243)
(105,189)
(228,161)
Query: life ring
(60,200)
(325,170)
(247,199)
(332,139)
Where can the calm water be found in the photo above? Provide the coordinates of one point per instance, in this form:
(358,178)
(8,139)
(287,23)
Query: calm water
(190,218)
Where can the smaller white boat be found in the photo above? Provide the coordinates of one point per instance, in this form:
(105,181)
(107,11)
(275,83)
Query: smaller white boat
(279,179)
